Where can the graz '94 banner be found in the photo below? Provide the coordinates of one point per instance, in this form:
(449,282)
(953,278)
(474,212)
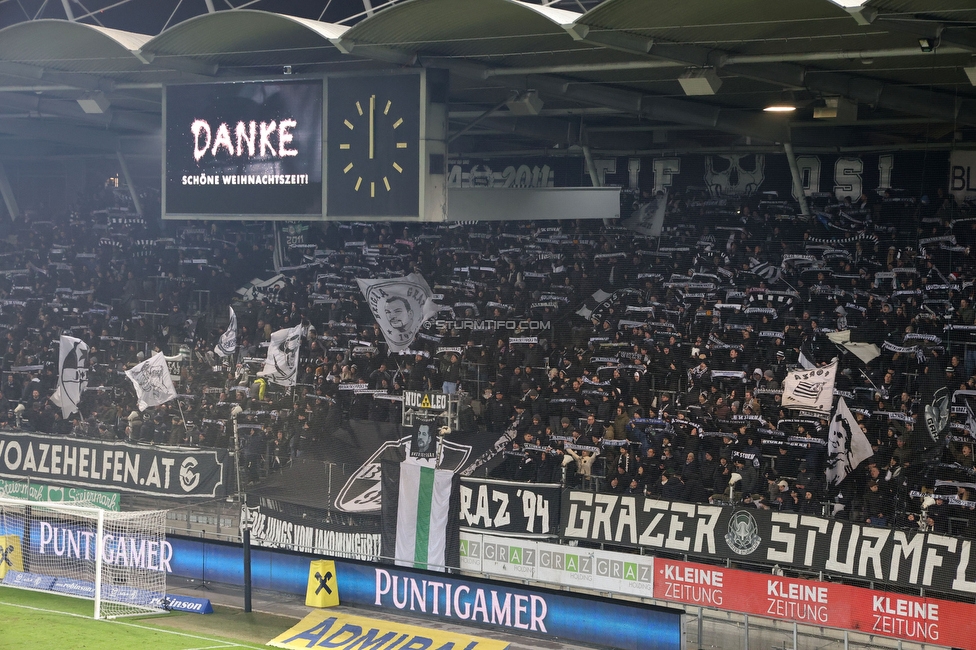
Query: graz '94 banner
(911,559)
(506,508)
(171,472)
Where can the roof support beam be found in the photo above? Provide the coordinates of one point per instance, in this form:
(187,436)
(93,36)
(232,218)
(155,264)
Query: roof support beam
(651,64)
(375,52)
(933,28)
(8,194)
(67,10)
(62,133)
(861,89)
(81,81)
(136,203)
(113,118)
(549,130)
(663,109)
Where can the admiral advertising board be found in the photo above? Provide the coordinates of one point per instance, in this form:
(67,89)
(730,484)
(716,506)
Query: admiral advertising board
(161,471)
(910,559)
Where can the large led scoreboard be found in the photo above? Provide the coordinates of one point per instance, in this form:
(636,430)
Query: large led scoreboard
(337,147)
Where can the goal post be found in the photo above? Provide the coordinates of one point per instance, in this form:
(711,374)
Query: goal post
(117,559)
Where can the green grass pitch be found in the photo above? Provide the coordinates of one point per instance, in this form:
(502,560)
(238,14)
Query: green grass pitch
(41,620)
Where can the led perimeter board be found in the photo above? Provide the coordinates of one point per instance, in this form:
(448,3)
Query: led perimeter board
(243,150)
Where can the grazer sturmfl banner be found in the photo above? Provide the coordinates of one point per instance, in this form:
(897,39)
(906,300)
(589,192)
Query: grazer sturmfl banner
(162,471)
(243,149)
(507,508)
(910,559)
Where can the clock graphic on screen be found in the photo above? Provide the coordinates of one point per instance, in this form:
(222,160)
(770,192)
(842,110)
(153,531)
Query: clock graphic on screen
(374,146)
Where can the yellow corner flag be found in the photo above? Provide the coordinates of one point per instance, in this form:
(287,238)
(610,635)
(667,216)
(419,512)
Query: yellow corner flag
(323,589)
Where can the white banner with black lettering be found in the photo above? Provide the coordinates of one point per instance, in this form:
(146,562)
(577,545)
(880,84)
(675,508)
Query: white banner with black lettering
(283,527)
(556,564)
(908,558)
(162,471)
(508,508)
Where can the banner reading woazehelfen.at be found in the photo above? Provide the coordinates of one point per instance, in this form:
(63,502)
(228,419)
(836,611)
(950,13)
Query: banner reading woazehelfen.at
(163,471)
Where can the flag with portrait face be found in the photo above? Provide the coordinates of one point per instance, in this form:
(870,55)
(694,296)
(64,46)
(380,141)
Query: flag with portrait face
(847,446)
(152,382)
(400,306)
(72,375)
(281,364)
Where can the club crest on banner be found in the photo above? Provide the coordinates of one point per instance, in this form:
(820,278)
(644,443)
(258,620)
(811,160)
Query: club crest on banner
(400,306)
(361,492)
(743,535)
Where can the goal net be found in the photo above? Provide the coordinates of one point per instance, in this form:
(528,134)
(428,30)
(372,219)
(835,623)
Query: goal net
(117,559)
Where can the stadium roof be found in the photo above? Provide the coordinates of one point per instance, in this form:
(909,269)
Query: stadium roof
(611,75)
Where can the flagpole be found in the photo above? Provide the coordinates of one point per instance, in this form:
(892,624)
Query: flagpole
(182,417)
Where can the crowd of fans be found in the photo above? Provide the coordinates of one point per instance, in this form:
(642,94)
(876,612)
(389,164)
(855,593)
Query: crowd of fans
(615,360)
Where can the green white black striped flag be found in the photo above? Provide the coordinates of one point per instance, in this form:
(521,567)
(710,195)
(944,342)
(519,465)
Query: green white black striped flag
(420,515)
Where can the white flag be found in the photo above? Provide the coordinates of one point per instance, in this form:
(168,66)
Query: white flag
(649,220)
(847,446)
(152,382)
(805,363)
(227,344)
(72,375)
(810,389)
(400,306)
(593,302)
(281,364)
(420,498)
